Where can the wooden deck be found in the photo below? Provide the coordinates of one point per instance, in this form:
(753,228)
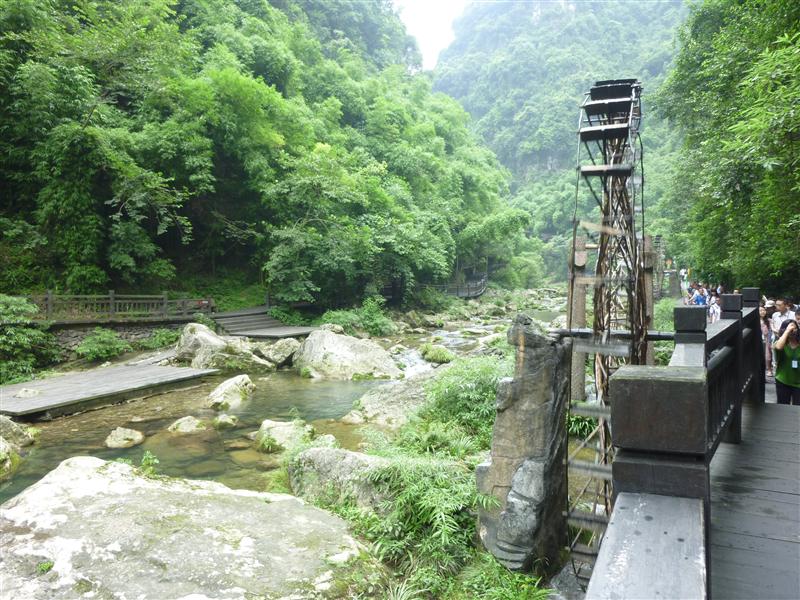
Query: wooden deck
(72,393)
(257,323)
(755,508)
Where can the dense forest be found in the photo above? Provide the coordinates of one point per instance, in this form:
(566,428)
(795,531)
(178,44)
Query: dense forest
(147,142)
(521,69)
(721,95)
(734,205)
(296,146)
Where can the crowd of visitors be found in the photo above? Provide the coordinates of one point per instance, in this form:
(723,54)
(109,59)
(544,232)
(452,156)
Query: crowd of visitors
(780,332)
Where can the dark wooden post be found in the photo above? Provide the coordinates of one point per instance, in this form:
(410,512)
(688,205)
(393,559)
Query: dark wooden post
(751,298)
(577,307)
(48,304)
(164,304)
(112,309)
(732,309)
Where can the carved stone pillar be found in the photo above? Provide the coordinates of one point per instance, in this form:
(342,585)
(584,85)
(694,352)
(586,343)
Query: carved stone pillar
(525,472)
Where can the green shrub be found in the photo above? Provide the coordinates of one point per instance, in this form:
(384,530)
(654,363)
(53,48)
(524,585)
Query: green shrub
(465,395)
(44,567)
(436,354)
(370,317)
(580,427)
(433,299)
(160,338)
(147,466)
(435,437)
(102,344)
(486,579)
(288,316)
(426,527)
(663,319)
(24,346)
(204,319)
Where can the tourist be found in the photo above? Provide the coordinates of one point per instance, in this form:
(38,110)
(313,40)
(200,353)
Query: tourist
(714,308)
(698,297)
(787,369)
(781,315)
(766,338)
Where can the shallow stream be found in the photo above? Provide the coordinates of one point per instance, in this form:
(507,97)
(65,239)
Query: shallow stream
(226,456)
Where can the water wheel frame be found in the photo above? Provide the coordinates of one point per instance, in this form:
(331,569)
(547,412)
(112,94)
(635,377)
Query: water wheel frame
(610,170)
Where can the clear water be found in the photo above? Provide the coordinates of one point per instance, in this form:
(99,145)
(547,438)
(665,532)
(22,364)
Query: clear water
(280,396)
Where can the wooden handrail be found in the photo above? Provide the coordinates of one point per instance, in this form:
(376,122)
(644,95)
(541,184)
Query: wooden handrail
(80,308)
(668,422)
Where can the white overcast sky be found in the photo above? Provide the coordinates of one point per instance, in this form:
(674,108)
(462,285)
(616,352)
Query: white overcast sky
(430,21)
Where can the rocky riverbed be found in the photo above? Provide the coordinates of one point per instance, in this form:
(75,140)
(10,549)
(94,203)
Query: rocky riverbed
(329,391)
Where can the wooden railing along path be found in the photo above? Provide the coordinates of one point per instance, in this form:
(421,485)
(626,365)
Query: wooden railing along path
(667,423)
(468,289)
(67,309)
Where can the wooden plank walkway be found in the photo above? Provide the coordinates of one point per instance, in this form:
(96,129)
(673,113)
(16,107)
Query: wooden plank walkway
(755,508)
(257,323)
(71,393)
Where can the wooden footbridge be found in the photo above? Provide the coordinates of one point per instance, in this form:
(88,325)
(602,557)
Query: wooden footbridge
(706,476)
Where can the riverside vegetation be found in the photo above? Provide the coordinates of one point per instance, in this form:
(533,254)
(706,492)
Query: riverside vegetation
(422,537)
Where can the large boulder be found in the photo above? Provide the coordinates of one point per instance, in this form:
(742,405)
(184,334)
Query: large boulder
(122,437)
(195,338)
(15,434)
(187,425)
(231,357)
(108,532)
(325,354)
(280,353)
(393,403)
(204,349)
(9,460)
(274,436)
(231,393)
(319,473)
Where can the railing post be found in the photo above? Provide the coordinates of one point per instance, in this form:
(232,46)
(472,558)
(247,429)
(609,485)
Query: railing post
(732,309)
(751,298)
(48,304)
(659,416)
(112,309)
(164,304)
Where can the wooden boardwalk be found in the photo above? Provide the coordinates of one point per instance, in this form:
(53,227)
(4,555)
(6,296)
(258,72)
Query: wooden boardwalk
(71,393)
(755,507)
(256,323)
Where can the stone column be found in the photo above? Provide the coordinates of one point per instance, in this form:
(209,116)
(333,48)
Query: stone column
(526,471)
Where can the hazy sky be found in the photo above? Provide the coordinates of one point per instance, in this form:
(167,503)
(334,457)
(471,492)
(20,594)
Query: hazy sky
(430,22)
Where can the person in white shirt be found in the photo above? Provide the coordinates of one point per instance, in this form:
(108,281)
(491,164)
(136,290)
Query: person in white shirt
(781,314)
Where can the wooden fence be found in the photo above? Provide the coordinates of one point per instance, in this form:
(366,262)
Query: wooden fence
(468,289)
(61,308)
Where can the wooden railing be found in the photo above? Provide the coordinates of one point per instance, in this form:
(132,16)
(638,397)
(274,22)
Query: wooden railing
(667,423)
(60,308)
(468,289)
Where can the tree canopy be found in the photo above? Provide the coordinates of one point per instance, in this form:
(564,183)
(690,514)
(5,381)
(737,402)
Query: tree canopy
(735,92)
(144,140)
